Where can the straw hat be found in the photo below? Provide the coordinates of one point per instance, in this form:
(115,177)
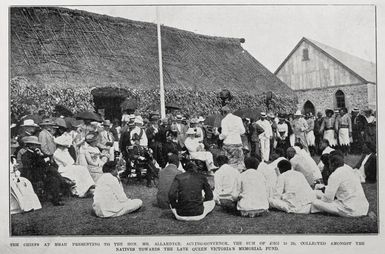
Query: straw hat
(138,119)
(29,123)
(63,141)
(201,119)
(106,123)
(30,140)
(298,113)
(263,114)
(91,137)
(60,122)
(48,122)
(190,131)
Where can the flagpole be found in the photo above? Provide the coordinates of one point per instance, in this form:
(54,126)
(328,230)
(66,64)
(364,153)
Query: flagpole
(161,86)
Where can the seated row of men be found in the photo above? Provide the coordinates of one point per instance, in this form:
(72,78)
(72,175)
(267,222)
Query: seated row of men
(251,193)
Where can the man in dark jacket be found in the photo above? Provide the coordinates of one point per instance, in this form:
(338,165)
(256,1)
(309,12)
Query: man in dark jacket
(37,169)
(166,177)
(186,200)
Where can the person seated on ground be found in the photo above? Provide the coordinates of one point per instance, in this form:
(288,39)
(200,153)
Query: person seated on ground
(292,193)
(270,173)
(67,168)
(90,156)
(141,157)
(226,184)
(197,150)
(366,168)
(326,171)
(110,200)
(185,195)
(23,197)
(166,177)
(38,169)
(304,164)
(253,197)
(326,149)
(344,195)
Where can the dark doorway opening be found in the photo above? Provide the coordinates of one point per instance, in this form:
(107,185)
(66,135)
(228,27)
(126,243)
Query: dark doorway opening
(107,100)
(309,107)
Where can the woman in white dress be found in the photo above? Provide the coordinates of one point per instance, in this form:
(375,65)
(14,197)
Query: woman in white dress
(91,157)
(67,168)
(23,197)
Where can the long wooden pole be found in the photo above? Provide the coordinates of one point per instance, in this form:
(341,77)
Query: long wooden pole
(161,87)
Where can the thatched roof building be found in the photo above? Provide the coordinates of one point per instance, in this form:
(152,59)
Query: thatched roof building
(70,48)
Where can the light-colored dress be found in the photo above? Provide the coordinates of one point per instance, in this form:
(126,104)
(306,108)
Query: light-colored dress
(23,197)
(76,173)
(110,199)
(90,157)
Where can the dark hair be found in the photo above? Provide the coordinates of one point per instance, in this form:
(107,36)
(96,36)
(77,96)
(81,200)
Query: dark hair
(299,144)
(283,166)
(336,159)
(222,159)
(325,158)
(326,141)
(191,167)
(109,166)
(251,162)
(173,159)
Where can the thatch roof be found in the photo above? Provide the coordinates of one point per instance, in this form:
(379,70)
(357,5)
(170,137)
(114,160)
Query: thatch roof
(71,48)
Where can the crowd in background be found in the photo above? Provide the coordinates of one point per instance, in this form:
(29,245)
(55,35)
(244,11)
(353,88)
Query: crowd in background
(256,163)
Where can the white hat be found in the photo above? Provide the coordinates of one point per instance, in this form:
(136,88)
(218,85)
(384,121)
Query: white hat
(298,113)
(190,131)
(29,122)
(201,119)
(263,114)
(132,116)
(63,140)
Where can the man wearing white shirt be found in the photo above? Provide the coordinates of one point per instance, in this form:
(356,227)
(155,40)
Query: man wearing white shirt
(139,131)
(264,138)
(304,164)
(226,182)
(344,195)
(253,199)
(232,129)
(292,193)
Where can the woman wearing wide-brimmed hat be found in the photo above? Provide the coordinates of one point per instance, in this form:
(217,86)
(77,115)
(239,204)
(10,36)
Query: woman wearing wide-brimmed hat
(91,156)
(67,168)
(46,136)
(299,127)
(327,127)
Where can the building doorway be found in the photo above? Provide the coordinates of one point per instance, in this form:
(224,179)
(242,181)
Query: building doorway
(309,107)
(107,101)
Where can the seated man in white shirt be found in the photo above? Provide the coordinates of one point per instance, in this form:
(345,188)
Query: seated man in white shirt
(226,181)
(109,197)
(344,195)
(268,171)
(139,131)
(292,193)
(304,164)
(253,200)
(326,149)
(197,150)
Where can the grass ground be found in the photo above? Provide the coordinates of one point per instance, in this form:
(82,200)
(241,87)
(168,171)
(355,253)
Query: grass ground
(76,218)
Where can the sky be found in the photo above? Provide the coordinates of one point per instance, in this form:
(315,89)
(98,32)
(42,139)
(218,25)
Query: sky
(271,32)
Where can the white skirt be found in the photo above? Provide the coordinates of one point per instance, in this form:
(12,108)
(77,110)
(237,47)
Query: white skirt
(310,138)
(343,136)
(23,197)
(329,135)
(81,176)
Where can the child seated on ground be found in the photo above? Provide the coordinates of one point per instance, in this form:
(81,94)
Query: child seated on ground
(185,195)
(252,190)
(344,195)
(109,197)
(292,194)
